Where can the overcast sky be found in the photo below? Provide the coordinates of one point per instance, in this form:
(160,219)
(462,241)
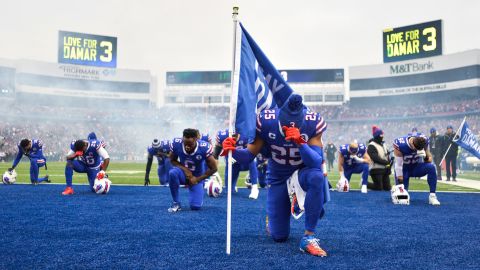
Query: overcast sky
(179,35)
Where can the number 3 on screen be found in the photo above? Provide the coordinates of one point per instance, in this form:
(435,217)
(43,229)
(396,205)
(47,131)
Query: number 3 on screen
(107,45)
(432,38)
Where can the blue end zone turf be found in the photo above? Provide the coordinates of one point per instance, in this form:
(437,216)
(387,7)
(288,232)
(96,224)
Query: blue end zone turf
(130,228)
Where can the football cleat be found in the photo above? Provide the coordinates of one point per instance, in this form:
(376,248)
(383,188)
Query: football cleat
(364,189)
(311,245)
(174,208)
(254,192)
(68,191)
(47,179)
(432,199)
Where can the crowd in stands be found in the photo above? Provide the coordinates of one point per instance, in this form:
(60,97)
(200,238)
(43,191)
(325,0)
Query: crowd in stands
(395,111)
(128,131)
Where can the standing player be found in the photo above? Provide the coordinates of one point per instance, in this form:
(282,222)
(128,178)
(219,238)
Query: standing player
(33,149)
(188,157)
(413,159)
(85,156)
(241,143)
(160,150)
(293,135)
(353,158)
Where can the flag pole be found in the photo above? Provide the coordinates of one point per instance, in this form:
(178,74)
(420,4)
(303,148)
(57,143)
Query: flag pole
(456,133)
(230,133)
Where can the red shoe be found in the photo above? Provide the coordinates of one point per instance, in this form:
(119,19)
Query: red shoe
(68,191)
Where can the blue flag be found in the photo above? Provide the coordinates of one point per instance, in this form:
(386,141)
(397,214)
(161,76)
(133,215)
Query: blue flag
(468,140)
(257,85)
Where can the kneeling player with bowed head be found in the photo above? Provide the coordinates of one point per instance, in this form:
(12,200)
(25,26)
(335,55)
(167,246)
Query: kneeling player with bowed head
(293,135)
(413,159)
(352,158)
(160,150)
(188,157)
(85,156)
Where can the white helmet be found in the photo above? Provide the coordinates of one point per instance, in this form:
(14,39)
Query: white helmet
(343,185)
(102,186)
(213,188)
(400,195)
(9,177)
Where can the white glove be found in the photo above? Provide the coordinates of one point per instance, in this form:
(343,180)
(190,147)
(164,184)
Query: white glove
(421,153)
(358,160)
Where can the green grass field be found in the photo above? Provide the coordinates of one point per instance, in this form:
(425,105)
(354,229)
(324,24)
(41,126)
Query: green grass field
(133,174)
(470,175)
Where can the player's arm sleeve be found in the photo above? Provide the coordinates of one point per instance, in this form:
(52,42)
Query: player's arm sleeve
(398,163)
(17,159)
(103,153)
(243,156)
(247,155)
(149,164)
(217,151)
(312,155)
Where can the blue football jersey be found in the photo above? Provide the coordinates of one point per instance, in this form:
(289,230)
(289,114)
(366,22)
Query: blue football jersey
(410,156)
(35,152)
(261,158)
(160,152)
(206,138)
(347,157)
(194,161)
(285,156)
(90,157)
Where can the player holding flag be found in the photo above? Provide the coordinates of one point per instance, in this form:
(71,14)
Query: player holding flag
(293,135)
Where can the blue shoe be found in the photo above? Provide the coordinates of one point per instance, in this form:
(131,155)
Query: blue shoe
(175,207)
(311,245)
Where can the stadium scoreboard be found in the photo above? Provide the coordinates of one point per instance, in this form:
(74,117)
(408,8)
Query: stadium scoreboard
(224,77)
(86,49)
(199,77)
(413,41)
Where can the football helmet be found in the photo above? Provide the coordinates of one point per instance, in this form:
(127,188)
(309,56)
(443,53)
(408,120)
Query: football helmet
(400,195)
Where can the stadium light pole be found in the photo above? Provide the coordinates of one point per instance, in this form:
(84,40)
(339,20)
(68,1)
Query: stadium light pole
(230,133)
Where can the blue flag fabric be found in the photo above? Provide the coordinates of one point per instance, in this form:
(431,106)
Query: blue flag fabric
(257,85)
(468,140)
